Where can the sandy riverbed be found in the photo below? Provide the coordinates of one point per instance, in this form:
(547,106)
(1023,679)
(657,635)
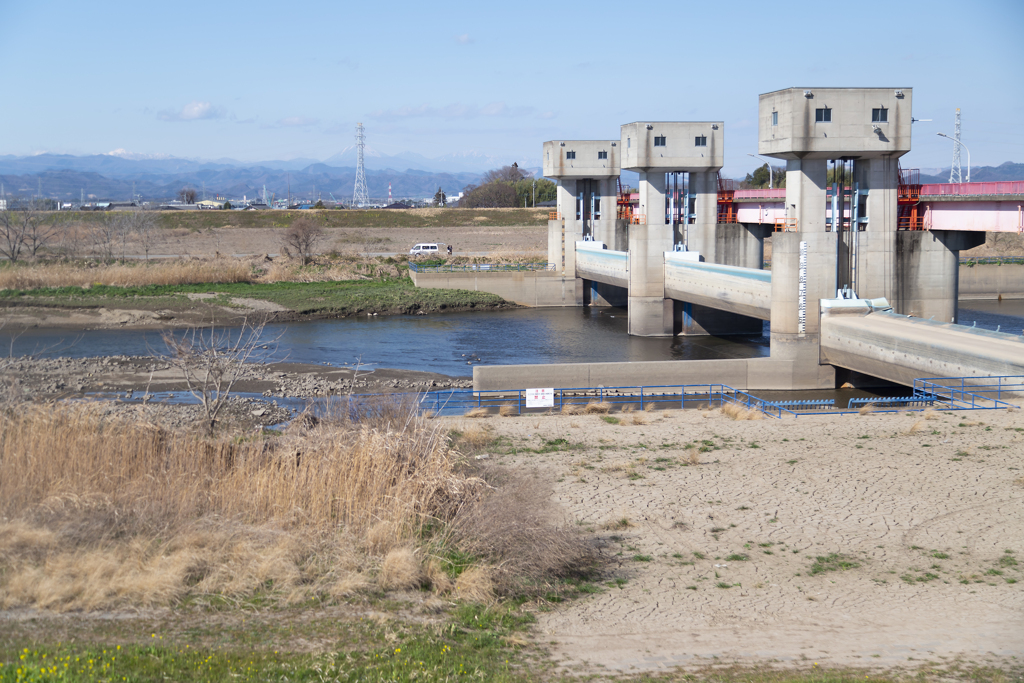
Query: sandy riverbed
(931,509)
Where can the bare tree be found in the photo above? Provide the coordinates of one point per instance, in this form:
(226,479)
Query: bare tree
(145,229)
(211,361)
(104,235)
(505,174)
(304,236)
(12,244)
(24,230)
(68,238)
(37,230)
(187,195)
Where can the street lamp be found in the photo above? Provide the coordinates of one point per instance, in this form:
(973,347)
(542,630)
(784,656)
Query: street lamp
(943,135)
(769,167)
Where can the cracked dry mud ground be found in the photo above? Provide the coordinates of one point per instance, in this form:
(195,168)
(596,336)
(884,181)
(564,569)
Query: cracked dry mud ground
(931,509)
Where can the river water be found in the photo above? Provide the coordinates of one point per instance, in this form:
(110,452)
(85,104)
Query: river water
(452,343)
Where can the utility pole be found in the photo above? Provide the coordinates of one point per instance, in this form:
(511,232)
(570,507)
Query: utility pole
(535,193)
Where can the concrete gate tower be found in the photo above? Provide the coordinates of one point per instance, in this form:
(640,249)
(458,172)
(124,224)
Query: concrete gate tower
(655,149)
(842,148)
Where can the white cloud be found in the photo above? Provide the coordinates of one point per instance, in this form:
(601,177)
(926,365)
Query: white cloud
(193,111)
(464,39)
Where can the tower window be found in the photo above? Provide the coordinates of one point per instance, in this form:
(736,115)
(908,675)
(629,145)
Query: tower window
(570,155)
(602,155)
(880,115)
(775,118)
(659,140)
(700,141)
(823,115)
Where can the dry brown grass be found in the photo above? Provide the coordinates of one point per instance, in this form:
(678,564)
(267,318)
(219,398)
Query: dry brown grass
(478,412)
(866,409)
(693,456)
(438,577)
(475,584)
(34,276)
(618,524)
(930,414)
(475,437)
(514,527)
(401,569)
(571,409)
(738,412)
(102,513)
(598,408)
(628,408)
(509,410)
(85,500)
(916,427)
(639,419)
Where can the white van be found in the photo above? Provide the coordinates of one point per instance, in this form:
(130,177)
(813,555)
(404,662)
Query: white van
(425,248)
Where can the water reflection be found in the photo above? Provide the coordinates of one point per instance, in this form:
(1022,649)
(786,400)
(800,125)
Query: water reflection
(452,343)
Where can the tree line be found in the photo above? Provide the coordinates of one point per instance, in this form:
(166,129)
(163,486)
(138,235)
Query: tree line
(507,187)
(28,226)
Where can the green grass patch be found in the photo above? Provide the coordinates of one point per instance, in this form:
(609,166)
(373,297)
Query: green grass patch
(833,562)
(339,298)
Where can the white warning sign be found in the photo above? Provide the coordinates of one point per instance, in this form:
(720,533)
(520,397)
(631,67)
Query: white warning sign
(540,398)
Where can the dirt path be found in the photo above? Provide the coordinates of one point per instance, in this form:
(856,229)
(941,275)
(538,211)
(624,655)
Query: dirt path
(464,239)
(926,508)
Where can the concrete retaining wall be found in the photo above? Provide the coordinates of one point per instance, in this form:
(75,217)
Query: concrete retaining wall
(990,281)
(741,373)
(901,349)
(526,288)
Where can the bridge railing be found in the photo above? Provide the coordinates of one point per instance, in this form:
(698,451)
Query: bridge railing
(967,189)
(480,267)
(776,193)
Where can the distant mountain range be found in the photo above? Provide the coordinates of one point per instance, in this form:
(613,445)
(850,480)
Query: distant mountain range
(112,176)
(980,174)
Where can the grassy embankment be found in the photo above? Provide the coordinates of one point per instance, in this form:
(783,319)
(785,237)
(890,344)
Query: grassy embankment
(306,299)
(332,287)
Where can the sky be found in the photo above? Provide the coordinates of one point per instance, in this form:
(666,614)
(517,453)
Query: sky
(258,80)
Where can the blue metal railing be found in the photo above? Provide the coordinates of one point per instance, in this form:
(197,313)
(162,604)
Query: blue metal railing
(808,404)
(972,393)
(947,393)
(480,267)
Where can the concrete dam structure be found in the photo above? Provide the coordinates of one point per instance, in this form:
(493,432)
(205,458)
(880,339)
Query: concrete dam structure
(858,285)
